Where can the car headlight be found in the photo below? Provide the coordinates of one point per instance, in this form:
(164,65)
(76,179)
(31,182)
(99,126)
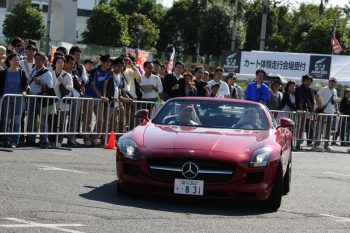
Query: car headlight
(260,157)
(128,148)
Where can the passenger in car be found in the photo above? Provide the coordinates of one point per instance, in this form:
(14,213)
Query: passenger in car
(248,120)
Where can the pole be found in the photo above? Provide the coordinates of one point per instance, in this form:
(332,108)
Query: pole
(263,25)
(234,28)
(47,47)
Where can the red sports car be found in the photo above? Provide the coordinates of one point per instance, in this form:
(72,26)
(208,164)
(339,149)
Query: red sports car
(209,147)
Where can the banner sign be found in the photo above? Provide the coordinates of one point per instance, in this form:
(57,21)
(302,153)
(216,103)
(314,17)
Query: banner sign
(285,64)
(171,62)
(294,65)
(231,61)
(142,55)
(320,66)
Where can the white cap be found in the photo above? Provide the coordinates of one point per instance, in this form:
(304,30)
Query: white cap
(333,79)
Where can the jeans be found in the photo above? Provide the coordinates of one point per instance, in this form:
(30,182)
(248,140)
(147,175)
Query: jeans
(74,116)
(323,129)
(34,109)
(11,112)
(344,130)
(57,125)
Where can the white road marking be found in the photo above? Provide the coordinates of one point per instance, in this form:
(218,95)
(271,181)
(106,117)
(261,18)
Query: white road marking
(338,219)
(48,168)
(30,224)
(337,174)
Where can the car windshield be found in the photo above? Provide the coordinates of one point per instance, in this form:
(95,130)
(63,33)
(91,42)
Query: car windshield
(212,114)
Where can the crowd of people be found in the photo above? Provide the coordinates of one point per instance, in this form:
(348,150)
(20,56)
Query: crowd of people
(119,82)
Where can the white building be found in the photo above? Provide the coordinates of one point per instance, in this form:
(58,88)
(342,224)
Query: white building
(68,19)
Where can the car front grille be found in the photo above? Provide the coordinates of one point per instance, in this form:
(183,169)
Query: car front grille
(210,171)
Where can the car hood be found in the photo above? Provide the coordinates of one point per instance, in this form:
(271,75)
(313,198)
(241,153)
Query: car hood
(206,139)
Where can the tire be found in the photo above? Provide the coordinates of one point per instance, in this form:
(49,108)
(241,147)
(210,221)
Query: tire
(287,180)
(275,198)
(119,190)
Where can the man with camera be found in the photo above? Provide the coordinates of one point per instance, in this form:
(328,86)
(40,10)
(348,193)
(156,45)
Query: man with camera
(329,106)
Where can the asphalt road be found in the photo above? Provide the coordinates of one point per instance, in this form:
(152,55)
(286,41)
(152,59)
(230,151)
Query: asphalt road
(75,191)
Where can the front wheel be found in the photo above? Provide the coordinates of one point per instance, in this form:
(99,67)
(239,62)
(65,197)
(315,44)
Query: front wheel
(275,198)
(287,180)
(120,190)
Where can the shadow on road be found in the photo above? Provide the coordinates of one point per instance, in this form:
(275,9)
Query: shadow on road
(108,193)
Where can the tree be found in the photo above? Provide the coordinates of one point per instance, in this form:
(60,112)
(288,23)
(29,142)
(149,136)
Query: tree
(188,24)
(277,30)
(346,10)
(106,26)
(215,31)
(312,32)
(148,35)
(24,21)
(177,29)
(149,8)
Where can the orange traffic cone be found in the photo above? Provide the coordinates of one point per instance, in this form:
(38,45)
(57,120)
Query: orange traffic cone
(111,141)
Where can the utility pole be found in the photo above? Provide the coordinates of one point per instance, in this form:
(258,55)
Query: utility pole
(234,28)
(48,26)
(263,25)
(139,28)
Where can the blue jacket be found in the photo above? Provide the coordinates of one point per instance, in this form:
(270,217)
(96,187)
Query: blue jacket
(253,93)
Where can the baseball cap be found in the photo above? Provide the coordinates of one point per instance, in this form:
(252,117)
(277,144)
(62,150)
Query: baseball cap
(233,75)
(187,105)
(306,77)
(333,79)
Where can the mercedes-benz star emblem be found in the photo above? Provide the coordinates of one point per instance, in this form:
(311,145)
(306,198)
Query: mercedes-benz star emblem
(190,170)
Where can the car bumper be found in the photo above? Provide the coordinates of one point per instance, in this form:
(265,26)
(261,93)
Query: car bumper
(135,176)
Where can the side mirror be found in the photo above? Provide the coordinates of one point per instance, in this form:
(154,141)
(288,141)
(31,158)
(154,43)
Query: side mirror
(286,123)
(142,114)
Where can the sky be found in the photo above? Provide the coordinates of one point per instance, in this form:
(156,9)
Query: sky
(168,3)
(89,4)
(340,3)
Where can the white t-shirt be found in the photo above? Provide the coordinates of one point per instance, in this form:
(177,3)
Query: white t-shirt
(130,75)
(326,93)
(154,81)
(67,81)
(27,66)
(177,77)
(223,89)
(45,78)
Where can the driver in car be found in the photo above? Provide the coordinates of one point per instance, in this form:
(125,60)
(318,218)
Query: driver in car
(248,120)
(187,114)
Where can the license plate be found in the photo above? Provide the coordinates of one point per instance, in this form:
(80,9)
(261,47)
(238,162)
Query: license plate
(189,187)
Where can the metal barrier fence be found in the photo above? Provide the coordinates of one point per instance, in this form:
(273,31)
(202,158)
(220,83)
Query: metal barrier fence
(318,129)
(52,118)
